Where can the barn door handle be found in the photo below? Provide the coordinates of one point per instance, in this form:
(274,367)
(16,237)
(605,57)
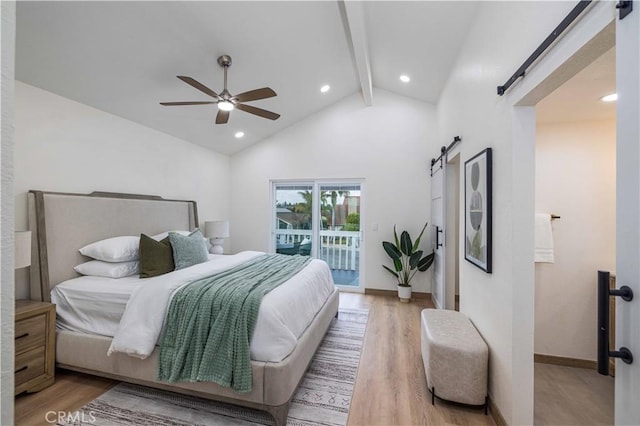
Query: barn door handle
(604,292)
(438,231)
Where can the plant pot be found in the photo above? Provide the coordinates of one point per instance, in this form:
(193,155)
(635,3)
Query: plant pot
(404,293)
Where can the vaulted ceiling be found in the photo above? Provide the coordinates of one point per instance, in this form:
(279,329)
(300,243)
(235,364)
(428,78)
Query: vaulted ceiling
(123,57)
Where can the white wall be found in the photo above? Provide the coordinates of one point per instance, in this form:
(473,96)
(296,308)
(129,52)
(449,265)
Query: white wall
(576,179)
(7,65)
(62,145)
(389,145)
(500,304)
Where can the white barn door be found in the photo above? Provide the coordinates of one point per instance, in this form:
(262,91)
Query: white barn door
(438,218)
(627,388)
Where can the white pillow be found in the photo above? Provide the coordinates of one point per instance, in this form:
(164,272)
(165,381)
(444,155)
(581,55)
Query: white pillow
(116,249)
(108,269)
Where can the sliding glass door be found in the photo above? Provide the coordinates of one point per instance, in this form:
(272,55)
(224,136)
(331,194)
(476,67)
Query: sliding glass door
(293,226)
(339,233)
(321,219)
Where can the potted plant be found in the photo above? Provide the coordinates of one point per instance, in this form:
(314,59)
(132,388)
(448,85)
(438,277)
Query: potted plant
(407,260)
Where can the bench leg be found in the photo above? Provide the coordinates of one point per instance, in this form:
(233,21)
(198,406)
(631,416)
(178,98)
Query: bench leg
(486,401)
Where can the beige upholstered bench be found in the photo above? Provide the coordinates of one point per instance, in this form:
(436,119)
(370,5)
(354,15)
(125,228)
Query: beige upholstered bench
(455,358)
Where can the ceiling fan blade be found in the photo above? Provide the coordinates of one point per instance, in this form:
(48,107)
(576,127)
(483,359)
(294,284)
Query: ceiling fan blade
(201,87)
(187,103)
(254,95)
(222,117)
(258,111)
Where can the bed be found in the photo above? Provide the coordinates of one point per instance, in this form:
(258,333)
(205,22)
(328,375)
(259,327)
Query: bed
(61,223)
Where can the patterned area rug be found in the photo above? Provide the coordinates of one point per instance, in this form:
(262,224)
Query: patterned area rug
(323,397)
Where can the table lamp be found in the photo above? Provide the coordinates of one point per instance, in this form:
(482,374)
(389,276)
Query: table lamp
(217,231)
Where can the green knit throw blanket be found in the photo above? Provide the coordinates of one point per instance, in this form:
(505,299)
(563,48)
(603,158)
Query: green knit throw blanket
(210,322)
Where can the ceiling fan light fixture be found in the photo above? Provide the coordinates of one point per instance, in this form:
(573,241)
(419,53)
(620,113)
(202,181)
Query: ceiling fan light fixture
(405,78)
(325,88)
(225,100)
(225,106)
(238,135)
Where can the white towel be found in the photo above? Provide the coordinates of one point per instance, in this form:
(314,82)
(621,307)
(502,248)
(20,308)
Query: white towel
(544,239)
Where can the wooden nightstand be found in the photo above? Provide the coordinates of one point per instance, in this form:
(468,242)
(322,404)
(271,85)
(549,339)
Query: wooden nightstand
(35,349)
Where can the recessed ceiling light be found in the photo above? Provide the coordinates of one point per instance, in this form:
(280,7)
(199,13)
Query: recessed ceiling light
(610,98)
(325,88)
(238,135)
(405,78)
(225,106)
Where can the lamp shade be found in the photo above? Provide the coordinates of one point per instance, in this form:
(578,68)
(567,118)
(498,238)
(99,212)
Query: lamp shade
(22,245)
(216,229)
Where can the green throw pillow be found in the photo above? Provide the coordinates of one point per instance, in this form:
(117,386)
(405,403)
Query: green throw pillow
(156,257)
(188,250)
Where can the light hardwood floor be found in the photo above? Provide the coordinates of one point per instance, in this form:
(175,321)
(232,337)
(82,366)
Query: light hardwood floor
(572,396)
(390,387)
(69,392)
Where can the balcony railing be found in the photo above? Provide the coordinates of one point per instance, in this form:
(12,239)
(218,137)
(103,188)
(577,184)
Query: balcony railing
(340,249)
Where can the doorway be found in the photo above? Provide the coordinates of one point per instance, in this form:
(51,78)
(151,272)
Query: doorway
(575,206)
(589,39)
(321,219)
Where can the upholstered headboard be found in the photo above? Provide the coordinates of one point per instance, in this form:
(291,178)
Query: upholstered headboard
(62,223)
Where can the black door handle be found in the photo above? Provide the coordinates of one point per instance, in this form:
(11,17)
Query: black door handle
(438,231)
(604,352)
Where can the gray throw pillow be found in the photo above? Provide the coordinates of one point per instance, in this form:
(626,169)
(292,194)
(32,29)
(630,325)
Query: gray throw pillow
(156,257)
(188,250)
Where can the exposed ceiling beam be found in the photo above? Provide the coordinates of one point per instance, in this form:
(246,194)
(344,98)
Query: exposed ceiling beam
(353,12)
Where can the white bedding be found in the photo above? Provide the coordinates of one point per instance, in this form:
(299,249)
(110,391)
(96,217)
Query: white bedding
(132,310)
(92,305)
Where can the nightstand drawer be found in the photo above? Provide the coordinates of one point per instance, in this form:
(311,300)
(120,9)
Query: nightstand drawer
(29,365)
(30,333)
(35,345)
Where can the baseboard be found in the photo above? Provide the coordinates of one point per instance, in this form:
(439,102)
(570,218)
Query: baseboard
(564,361)
(496,414)
(394,293)
(419,295)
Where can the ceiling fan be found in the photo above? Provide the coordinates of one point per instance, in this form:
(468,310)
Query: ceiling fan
(225,100)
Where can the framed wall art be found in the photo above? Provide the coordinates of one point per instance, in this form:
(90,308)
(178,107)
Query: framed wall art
(477,209)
